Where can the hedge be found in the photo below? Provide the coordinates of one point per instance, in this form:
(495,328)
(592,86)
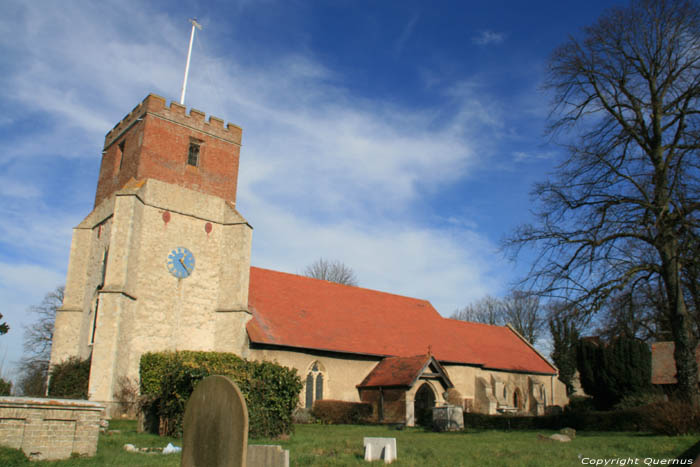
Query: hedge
(271,391)
(668,418)
(70,379)
(341,412)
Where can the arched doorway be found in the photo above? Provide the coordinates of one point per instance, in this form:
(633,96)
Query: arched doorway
(424,403)
(518,401)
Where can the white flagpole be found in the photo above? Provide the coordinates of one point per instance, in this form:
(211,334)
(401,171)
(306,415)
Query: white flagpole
(195,24)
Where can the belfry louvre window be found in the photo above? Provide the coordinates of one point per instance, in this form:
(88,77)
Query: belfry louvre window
(193,153)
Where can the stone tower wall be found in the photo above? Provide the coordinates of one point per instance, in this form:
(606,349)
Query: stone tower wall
(120,299)
(142,306)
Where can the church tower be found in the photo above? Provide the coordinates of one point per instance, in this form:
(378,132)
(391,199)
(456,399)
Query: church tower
(163,260)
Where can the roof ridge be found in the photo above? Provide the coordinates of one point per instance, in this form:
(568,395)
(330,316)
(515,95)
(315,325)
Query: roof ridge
(354,287)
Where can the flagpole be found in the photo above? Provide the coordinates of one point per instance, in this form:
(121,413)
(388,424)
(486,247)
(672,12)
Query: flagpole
(195,24)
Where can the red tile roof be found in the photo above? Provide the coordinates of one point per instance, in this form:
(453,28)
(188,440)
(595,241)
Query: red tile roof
(663,363)
(297,311)
(400,371)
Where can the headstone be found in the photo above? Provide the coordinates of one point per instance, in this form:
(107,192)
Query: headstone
(380,449)
(215,426)
(448,418)
(265,455)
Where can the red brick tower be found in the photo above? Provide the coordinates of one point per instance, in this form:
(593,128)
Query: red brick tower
(164,143)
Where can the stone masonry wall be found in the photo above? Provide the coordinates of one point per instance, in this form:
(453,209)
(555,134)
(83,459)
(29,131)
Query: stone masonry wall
(50,429)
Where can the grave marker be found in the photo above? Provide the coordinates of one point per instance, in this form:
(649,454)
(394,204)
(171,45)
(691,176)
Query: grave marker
(215,426)
(380,449)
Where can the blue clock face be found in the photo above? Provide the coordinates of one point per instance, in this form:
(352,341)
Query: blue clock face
(181,262)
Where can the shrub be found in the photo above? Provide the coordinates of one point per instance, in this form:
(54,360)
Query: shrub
(580,404)
(5,387)
(341,412)
(127,395)
(619,420)
(69,379)
(511,422)
(168,379)
(612,420)
(640,399)
(671,418)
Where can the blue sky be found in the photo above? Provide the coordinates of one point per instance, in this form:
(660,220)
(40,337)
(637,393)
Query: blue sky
(402,138)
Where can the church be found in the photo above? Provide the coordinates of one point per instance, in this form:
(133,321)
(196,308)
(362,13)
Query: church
(163,263)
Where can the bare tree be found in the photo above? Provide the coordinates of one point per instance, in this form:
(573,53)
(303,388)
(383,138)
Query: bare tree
(333,271)
(522,311)
(488,310)
(615,214)
(519,309)
(38,336)
(639,313)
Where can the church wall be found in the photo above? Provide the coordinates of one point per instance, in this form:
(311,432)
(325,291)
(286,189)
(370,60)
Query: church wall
(191,313)
(342,374)
(466,380)
(393,404)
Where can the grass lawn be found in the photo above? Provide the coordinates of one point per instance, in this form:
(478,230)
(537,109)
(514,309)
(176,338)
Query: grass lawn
(323,445)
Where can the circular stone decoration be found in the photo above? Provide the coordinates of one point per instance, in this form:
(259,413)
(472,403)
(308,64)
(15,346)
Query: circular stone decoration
(180,262)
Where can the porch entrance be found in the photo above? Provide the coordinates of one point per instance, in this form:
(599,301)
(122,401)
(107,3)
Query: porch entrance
(424,403)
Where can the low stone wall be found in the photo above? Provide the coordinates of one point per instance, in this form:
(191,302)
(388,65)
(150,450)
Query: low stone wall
(50,429)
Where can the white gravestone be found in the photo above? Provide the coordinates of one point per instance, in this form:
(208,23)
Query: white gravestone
(380,449)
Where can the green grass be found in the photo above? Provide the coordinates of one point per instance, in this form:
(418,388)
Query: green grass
(323,445)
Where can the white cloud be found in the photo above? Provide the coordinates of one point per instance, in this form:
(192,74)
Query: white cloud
(448,267)
(13,189)
(489,37)
(522,156)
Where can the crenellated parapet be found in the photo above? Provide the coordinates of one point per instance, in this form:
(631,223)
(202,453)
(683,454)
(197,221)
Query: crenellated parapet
(155,105)
(165,142)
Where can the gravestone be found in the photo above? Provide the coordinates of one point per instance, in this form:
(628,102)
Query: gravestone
(265,455)
(380,449)
(448,418)
(215,426)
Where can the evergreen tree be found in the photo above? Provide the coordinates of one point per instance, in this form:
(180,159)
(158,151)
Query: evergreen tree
(613,371)
(565,337)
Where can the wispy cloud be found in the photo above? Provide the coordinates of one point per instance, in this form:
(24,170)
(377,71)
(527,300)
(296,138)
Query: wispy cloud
(522,156)
(405,35)
(488,37)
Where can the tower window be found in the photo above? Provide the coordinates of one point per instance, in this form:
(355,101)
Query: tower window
(121,152)
(193,153)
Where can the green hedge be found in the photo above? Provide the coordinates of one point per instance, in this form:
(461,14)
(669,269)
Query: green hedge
(69,379)
(637,419)
(271,391)
(342,412)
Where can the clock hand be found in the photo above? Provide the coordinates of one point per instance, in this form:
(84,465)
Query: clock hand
(183,264)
